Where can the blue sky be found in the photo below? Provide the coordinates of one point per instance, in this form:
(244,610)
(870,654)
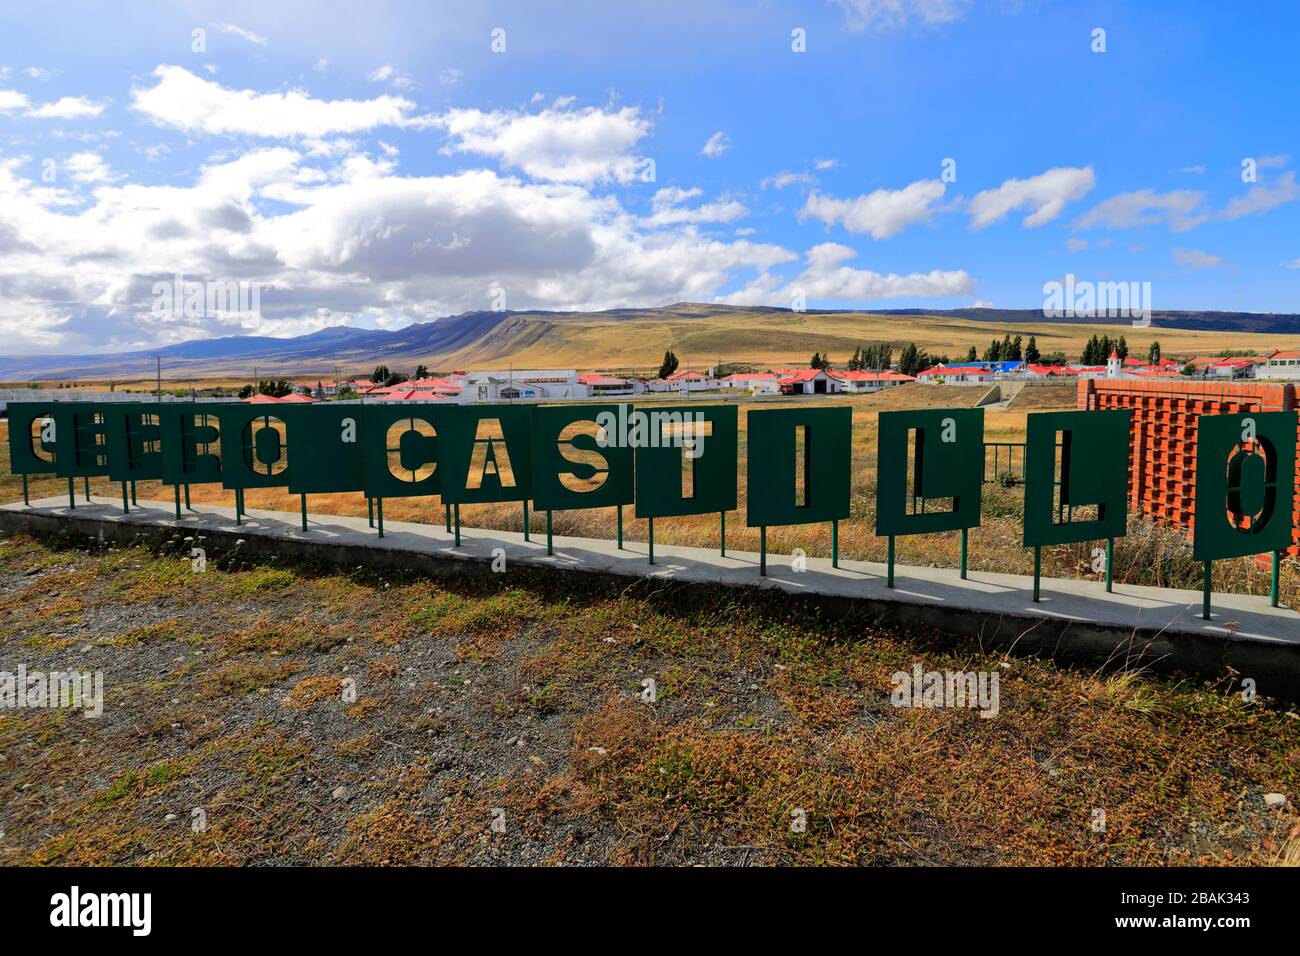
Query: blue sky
(379,164)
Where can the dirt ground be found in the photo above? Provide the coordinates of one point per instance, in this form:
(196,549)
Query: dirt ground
(291,714)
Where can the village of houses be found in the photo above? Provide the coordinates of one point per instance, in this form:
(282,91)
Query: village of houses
(464,387)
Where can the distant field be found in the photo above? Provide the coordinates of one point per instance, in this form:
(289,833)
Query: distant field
(701,337)
(781,339)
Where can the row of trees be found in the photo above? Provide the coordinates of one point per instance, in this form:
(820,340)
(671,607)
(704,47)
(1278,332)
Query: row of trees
(876,357)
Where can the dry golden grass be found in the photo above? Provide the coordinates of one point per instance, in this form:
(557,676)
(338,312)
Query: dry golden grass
(764,706)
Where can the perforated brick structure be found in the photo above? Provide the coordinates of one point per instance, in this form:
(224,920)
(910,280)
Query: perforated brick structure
(1162,457)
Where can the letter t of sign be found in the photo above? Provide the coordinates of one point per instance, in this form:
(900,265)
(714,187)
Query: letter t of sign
(688,436)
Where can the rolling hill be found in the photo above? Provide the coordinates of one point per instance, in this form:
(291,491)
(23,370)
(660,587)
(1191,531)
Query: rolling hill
(635,339)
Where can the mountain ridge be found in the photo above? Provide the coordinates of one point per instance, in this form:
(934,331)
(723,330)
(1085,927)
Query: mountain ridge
(628,337)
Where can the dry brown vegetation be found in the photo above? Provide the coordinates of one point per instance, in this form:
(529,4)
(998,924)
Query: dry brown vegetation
(520,693)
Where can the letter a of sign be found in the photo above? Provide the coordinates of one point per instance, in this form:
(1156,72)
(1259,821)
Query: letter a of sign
(486,453)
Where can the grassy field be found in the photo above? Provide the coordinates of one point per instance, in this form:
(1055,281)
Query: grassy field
(701,336)
(227,739)
(1148,555)
(789,338)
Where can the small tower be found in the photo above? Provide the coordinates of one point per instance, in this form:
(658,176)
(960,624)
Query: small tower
(1113,364)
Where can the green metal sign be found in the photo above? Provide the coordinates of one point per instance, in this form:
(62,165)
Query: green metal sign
(1076,476)
(327,443)
(672,461)
(400,445)
(576,463)
(83,440)
(486,453)
(1245,484)
(256,447)
(134,441)
(685,459)
(929,470)
(191,443)
(798,465)
(32,436)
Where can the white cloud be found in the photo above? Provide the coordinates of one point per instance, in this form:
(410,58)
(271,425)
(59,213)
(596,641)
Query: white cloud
(716,145)
(67,107)
(1180,209)
(827,277)
(238,31)
(1195,260)
(1193,170)
(12,100)
(1260,199)
(87,168)
(782,179)
(1185,209)
(667,209)
(887,14)
(39,73)
(882,213)
(1045,195)
(333,241)
(390,74)
(825,164)
(574,146)
(450,76)
(1075,244)
(1272,162)
(195,105)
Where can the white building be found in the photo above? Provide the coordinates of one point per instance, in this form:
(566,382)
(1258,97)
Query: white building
(1284,364)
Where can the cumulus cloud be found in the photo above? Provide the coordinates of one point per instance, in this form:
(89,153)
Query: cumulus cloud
(67,107)
(335,241)
(570,146)
(87,168)
(826,276)
(1045,195)
(882,213)
(11,100)
(667,208)
(194,105)
(715,145)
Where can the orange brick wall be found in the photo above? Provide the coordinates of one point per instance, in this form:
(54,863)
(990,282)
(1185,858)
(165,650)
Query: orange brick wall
(1162,456)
